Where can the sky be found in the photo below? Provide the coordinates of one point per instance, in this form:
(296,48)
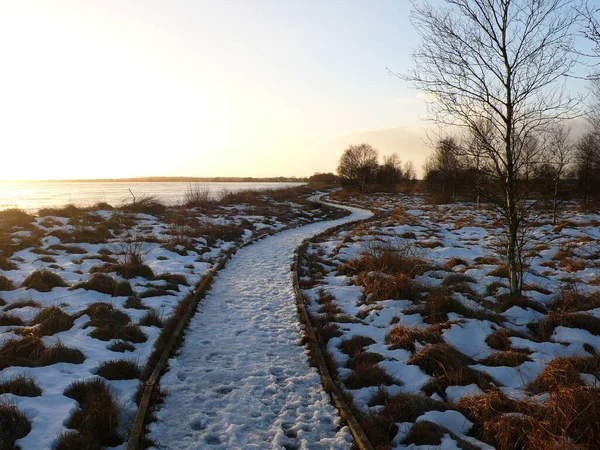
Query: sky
(129,88)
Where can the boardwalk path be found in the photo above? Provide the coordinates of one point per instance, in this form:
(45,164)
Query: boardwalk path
(241,379)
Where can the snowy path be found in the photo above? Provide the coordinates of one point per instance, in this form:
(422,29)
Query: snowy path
(241,380)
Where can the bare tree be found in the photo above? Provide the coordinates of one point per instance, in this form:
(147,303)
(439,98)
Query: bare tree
(443,165)
(390,172)
(501,63)
(559,154)
(587,162)
(357,164)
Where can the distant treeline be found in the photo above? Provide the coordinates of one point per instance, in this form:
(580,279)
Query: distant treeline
(198,180)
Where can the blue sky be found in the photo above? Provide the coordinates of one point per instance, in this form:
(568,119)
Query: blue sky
(206,88)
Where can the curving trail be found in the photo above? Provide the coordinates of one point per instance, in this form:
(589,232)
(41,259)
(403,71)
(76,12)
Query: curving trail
(241,379)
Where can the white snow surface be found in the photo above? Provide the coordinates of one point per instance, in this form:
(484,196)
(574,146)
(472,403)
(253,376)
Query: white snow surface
(242,380)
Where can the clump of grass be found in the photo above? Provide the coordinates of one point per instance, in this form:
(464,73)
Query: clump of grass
(500,339)
(173,278)
(366,374)
(501,271)
(492,288)
(68,211)
(438,359)
(355,344)
(15,217)
(52,320)
(130,333)
(99,282)
(43,280)
(70,249)
(105,315)
(546,326)
(156,291)
(564,372)
(573,301)
(507,301)
(23,304)
(145,204)
(8,320)
(457,278)
(7,264)
(453,262)
(6,284)
(13,425)
(379,286)
(20,385)
(508,359)
(30,351)
(364,358)
(440,302)
(96,418)
(458,376)
(121,347)
(405,337)
(429,433)
(134,303)
(151,319)
(118,369)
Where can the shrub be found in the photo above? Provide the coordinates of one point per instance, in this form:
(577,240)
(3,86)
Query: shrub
(118,369)
(43,280)
(52,320)
(20,385)
(13,425)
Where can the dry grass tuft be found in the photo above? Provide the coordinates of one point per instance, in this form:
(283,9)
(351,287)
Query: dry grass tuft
(439,359)
(121,347)
(118,369)
(440,302)
(52,320)
(405,337)
(21,385)
(43,280)
(507,301)
(96,418)
(10,320)
(507,358)
(130,333)
(500,340)
(378,286)
(30,351)
(429,433)
(367,374)
(15,217)
(13,425)
(99,282)
(355,344)
(7,264)
(573,301)
(564,372)
(6,284)
(463,376)
(151,319)
(546,326)
(105,315)
(364,358)
(23,304)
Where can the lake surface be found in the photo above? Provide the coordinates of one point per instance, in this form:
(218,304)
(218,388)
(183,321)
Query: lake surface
(32,195)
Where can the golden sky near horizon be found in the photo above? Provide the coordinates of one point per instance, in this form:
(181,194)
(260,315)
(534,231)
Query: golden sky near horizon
(128,88)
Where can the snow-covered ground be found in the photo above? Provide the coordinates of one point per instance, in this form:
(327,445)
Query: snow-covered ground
(413,309)
(242,380)
(114,316)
